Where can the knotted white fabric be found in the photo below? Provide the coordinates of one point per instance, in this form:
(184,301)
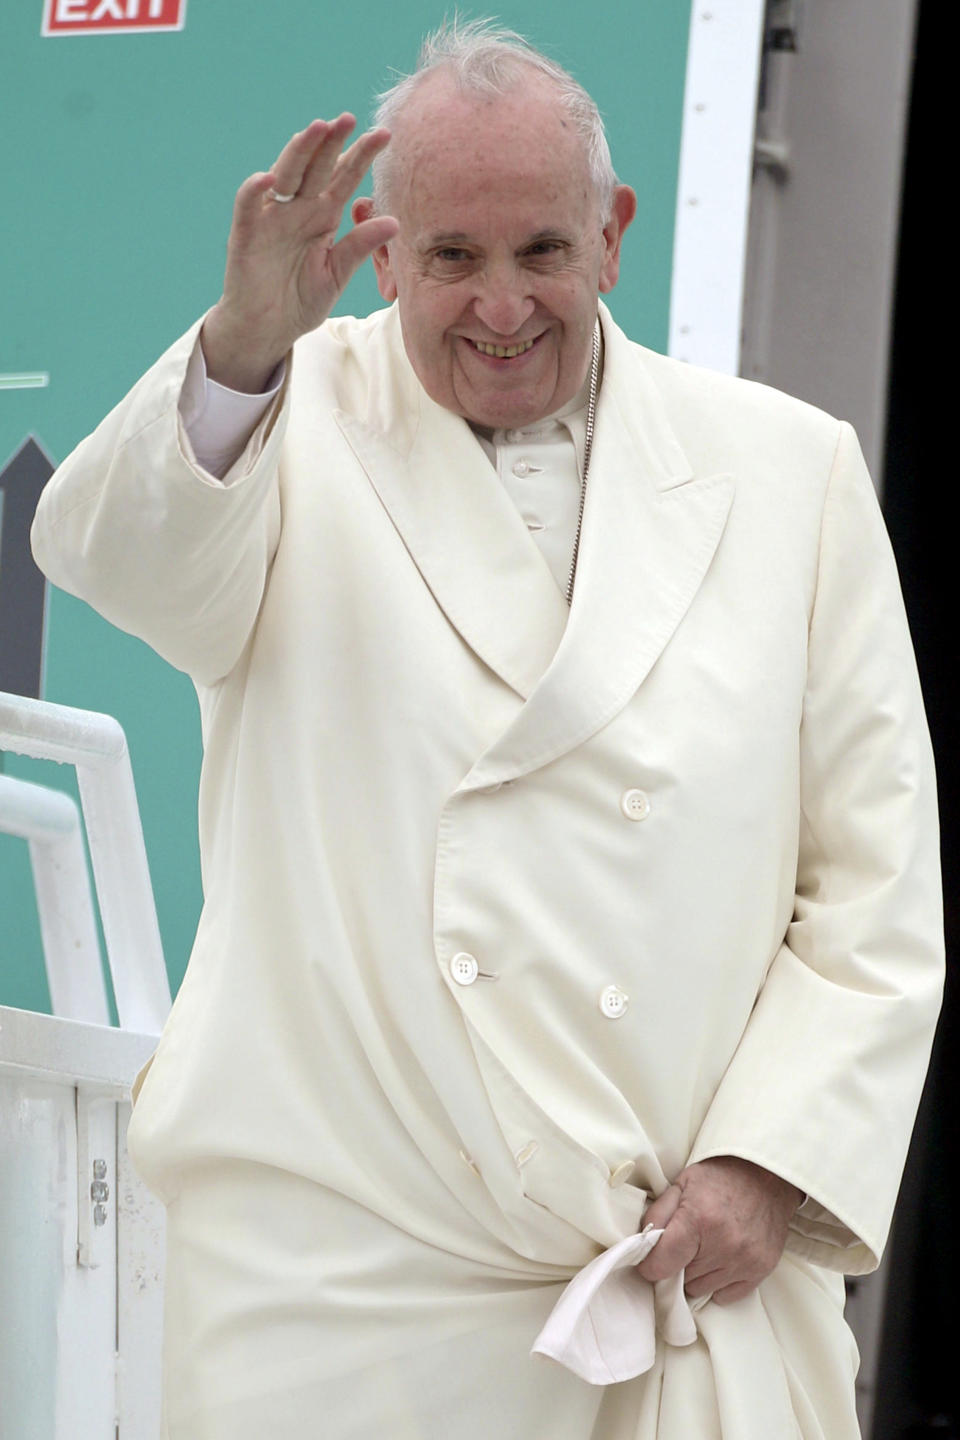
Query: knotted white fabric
(604,1326)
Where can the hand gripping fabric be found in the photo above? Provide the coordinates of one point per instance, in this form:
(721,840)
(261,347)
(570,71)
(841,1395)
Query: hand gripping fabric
(604,1326)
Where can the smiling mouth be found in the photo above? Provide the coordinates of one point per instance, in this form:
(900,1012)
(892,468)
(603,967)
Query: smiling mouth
(504,352)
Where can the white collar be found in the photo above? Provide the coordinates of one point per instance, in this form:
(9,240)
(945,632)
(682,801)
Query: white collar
(571,417)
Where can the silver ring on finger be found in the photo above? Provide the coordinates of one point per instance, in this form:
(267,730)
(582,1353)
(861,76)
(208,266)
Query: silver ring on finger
(280,199)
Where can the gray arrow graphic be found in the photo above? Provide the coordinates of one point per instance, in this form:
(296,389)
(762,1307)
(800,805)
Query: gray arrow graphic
(23,588)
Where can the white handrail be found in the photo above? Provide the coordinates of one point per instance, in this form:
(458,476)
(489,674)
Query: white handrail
(50,822)
(97,746)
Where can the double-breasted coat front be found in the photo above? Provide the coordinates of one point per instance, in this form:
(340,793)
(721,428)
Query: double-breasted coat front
(511,911)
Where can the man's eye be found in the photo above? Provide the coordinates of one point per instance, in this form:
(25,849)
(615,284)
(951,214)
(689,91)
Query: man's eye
(451,255)
(545,247)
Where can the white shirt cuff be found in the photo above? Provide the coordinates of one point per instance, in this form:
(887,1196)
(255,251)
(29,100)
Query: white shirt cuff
(220,421)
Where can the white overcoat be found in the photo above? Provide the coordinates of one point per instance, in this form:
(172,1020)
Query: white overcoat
(378,1177)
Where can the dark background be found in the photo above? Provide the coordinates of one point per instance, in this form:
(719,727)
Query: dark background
(918,1381)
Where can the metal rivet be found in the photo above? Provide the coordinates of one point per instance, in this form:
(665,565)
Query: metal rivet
(99,1215)
(99,1169)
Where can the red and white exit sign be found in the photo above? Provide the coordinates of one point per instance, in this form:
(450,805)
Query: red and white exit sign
(111,17)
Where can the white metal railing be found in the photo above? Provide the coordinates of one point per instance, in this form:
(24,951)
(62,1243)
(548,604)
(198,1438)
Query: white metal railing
(96,745)
(50,822)
(81,1240)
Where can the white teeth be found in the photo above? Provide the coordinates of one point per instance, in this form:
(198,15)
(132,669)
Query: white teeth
(503,352)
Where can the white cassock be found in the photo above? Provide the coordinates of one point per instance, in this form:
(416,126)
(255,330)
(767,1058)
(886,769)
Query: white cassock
(512,912)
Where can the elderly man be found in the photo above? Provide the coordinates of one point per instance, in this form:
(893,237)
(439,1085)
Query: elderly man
(567,816)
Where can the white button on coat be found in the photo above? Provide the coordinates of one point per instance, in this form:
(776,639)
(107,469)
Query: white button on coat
(614,1002)
(635,804)
(464,968)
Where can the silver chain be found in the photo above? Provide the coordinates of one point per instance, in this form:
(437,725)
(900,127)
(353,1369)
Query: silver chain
(587,447)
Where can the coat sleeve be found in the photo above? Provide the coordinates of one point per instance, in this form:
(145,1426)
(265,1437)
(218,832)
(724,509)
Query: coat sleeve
(131,524)
(824,1084)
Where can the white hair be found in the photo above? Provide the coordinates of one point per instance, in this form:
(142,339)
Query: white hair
(486,59)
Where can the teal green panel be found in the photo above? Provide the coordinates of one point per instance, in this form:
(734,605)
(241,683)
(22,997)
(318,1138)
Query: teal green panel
(122,157)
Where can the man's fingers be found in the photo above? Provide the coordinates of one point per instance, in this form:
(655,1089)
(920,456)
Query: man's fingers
(662,1210)
(349,253)
(706,1282)
(315,148)
(339,179)
(674,1250)
(248,204)
(701,1266)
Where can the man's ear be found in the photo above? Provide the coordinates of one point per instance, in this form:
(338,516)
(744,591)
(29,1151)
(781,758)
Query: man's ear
(622,211)
(361,210)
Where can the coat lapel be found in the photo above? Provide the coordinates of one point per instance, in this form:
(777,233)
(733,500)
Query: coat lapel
(459,524)
(650,530)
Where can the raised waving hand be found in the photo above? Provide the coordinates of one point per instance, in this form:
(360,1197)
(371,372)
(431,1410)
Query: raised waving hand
(285,267)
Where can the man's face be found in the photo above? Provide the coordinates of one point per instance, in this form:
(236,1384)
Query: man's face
(501,251)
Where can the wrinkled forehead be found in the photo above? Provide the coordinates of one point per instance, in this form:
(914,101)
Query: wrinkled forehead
(456,143)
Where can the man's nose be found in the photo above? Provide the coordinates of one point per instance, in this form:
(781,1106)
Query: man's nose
(502,304)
